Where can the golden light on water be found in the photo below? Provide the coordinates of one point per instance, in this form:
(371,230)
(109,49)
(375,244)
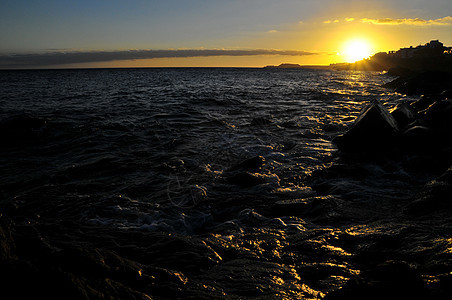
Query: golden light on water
(356,49)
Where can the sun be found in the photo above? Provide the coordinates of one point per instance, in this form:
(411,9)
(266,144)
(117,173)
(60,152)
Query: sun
(356,49)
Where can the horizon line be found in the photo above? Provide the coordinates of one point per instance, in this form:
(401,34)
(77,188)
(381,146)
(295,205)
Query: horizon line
(30,60)
(153,67)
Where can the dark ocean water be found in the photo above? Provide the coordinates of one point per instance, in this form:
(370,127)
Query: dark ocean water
(121,152)
(162,137)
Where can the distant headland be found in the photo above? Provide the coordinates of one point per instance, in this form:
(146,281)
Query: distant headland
(296,66)
(432,56)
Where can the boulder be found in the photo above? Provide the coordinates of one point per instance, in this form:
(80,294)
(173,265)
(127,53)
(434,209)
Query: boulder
(435,195)
(416,138)
(20,129)
(425,83)
(374,130)
(404,114)
(400,71)
(246,173)
(247,179)
(314,207)
(439,115)
(7,246)
(446,94)
(21,123)
(250,164)
(388,280)
(423,102)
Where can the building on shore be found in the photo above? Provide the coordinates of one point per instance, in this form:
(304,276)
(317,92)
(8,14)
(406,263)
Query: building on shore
(431,48)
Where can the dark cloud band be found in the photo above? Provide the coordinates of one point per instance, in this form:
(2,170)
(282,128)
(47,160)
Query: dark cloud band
(63,58)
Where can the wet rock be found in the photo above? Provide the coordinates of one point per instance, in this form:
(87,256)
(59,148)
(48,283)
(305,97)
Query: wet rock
(425,83)
(446,94)
(247,179)
(331,127)
(294,192)
(318,206)
(261,121)
(416,138)
(404,114)
(30,244)
(20,129)
(76,271)
(374,130)
(423,102)
(21,123)
(244,278)
(439,115)
(445,281)
(389,280)
(291,207)
(434,196)
(178,252)
(325,272)
(400,71)
(7,245)
(250,164)
(245,173)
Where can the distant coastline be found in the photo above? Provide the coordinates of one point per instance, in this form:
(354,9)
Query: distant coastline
(297,66)
(432,56)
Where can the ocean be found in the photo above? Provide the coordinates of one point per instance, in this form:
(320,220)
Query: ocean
(204,179)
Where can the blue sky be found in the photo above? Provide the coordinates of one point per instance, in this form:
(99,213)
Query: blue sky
(127,24)
(118,25)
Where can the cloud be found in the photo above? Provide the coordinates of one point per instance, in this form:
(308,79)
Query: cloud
(62,58)
(330,21)
(272,31)
(349,19)
(416,21)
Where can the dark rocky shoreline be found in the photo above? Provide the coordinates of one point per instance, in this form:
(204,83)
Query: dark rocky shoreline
(416,136)
(392,249)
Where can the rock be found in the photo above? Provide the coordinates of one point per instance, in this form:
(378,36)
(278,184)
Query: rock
(425,83)
(389,280)
(374,130)
(404,114)
(245,173)
(7,245)
(20,129)
(331,127)
(416,138)
(423,102)
(21,123)
(434,196)
(250,164)
(400,71)
(261,121)
(319,206)
(247,179)
(446,94)
(180,253)
(439,115)
(291,206)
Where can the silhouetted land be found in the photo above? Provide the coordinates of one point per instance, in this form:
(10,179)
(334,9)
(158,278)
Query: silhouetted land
(433,56)
(296,66)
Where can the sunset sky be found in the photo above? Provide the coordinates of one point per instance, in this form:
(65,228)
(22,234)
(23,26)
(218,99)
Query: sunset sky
(242,33)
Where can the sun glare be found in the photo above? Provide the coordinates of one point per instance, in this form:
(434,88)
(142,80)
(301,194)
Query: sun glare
(357,49)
